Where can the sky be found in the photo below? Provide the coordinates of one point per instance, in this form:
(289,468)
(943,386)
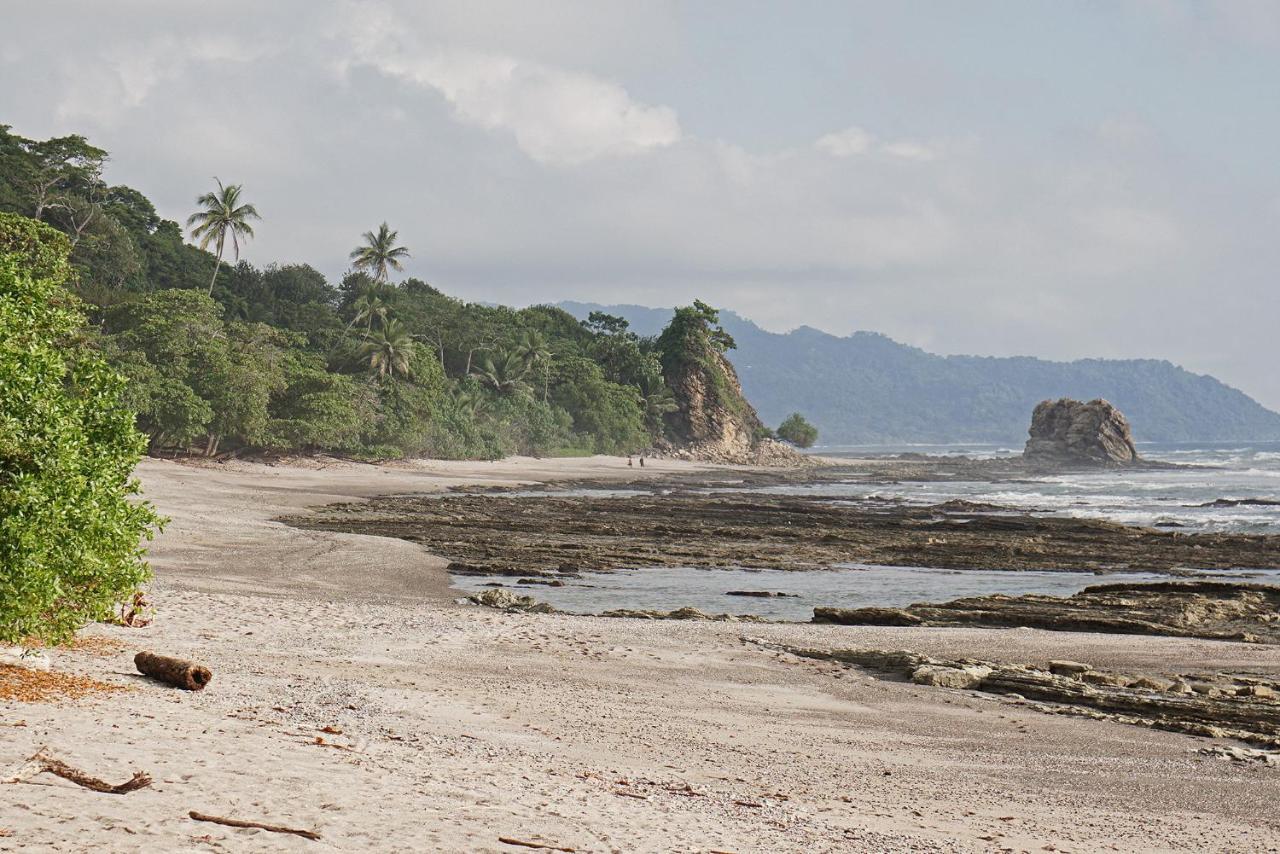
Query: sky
(1030,177)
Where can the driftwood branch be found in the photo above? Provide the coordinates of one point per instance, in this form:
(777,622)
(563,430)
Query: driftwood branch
(255,825)
(42,763)
(508,840)
(175,671)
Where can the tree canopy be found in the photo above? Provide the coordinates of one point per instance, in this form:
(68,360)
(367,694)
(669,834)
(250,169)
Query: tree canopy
(69,531)
(796,430)
(232,357)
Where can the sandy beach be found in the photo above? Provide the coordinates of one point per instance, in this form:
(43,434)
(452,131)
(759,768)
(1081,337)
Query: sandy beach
(354,697)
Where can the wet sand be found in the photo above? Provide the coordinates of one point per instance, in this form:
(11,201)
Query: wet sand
(460,725)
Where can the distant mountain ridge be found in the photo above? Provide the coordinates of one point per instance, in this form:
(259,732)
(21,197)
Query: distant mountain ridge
(867,388)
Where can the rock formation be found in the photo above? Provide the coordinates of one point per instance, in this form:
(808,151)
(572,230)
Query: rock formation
(1219,704)
(1070,433)
(712,421)
(1218,610)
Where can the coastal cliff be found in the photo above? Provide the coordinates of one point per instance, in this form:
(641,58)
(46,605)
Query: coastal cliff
(712,420)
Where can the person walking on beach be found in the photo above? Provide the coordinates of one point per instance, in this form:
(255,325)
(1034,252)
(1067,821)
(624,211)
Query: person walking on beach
(642,461)
(628,461)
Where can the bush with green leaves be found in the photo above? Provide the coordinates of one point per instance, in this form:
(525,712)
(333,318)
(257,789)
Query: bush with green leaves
(70,530)
(796,430)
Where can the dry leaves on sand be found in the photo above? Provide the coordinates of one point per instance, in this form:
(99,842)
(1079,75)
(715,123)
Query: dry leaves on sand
(28,685)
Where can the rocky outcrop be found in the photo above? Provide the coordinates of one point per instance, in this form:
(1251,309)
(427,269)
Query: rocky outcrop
(715,423)
(505,600)
(1071,433)
(1216,610)
(712,420)
(1214,705)
(558,536)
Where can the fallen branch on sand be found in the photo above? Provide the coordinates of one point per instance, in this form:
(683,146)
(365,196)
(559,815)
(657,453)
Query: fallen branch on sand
(254,825)
(136,615)
(507,840)
(40,763)
(174,671)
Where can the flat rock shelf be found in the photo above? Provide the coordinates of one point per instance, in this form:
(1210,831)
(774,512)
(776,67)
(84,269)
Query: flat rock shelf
(565,535)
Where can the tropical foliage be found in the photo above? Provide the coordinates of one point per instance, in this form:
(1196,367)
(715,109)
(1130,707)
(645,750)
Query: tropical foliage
(222,215)
(69,529)
(796,430)
(223,356)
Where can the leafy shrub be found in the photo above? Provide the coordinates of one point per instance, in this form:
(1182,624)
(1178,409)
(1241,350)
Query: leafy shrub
(69,534)
(796,430)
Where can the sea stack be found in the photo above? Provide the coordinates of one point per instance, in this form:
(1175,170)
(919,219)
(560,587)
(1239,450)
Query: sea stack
(1068,432)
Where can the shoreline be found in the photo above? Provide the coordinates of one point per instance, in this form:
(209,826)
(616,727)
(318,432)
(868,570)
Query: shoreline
(352,697)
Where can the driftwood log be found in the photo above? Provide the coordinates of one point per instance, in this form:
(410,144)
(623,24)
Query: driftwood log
(254,825)
(42,762)
(174,671)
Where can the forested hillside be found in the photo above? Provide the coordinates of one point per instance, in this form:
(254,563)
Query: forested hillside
(222,355)
(867,388)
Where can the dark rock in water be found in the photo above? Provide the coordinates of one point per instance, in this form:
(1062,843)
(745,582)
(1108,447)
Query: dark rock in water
(866,616)
(1070,433)
(549,582)
(1240,502)
(1203,609)
(761,594)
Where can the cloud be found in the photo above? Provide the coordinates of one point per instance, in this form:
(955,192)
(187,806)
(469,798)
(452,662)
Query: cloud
(556,116)
(615,151)
(845,143)
(910,151)
(854,141)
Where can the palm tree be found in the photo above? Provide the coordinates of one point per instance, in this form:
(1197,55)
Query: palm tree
(505,373)
(368,307)
(379,253)
(532,350)
(223,215)
(469,400)
(388,350)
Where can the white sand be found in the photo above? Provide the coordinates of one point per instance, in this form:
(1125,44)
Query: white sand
(461,725)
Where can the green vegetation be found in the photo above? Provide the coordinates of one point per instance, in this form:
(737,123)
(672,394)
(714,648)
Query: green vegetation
(69,535)
(221,215)
(797,431)
(230,357)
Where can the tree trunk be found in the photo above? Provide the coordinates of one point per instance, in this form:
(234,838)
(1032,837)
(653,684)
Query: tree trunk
(216,267)
(174,671)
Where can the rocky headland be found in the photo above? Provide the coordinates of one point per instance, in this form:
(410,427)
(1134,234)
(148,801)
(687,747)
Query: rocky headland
(712,420)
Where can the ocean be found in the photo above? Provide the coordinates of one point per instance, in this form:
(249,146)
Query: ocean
(1212,494)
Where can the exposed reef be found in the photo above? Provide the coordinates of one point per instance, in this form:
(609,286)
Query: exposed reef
(529,536)
(1203,609)
(1216,705)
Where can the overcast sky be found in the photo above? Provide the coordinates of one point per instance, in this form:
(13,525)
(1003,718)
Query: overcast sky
(1044,178)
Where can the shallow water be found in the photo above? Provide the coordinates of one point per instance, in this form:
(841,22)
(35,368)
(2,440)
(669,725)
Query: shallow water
(855,586)
(1151,498)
